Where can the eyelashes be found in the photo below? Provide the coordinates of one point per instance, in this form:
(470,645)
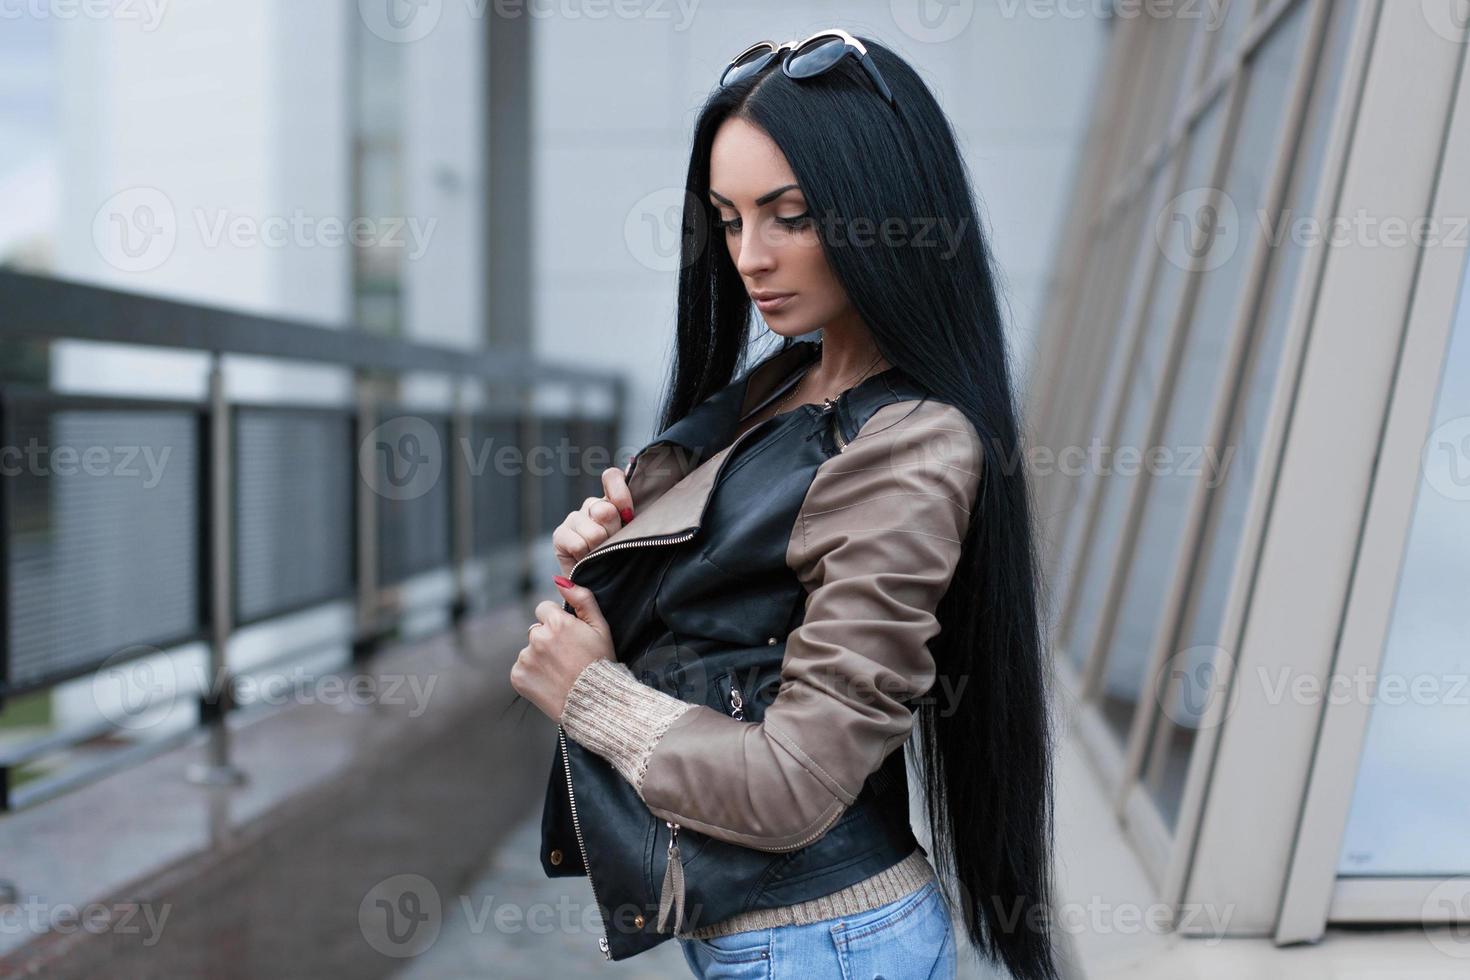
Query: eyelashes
(795,221)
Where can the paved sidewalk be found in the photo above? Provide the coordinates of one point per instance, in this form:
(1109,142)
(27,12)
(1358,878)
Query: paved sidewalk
(550,926)
(563,942)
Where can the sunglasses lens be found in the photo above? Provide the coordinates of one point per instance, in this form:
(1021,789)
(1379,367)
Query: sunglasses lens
(747,64)
(815,57)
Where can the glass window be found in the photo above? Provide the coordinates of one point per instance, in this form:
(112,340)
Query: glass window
(1410,813)
(1223,260)
(1143,391)
(29,168)
(1127,259)
(1182,688)
(1173,78)
(1227,23)
(378,178)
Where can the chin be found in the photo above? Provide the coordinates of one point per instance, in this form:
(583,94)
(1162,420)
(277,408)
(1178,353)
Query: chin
(791,330)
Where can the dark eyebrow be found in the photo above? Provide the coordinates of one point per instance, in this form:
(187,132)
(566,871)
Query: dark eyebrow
(765,198)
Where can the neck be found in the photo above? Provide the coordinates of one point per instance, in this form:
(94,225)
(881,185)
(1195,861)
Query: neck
(844,361)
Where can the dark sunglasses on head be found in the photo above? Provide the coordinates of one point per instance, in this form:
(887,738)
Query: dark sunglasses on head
(806,59)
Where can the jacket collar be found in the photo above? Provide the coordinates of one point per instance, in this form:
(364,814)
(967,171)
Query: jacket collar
(670,491)
(857,404)
(710,426)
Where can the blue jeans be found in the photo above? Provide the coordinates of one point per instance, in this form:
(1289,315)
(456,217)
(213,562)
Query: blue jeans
(910,938)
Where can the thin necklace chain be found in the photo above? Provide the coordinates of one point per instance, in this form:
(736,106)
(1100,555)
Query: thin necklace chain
(782,403)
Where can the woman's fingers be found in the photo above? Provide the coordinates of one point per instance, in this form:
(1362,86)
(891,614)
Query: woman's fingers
(579,534)
(601,511)
(615,489)
(569,547)
(593,532)
(598,519)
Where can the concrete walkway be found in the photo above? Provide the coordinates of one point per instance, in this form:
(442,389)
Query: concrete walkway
(513,922)
(546,935)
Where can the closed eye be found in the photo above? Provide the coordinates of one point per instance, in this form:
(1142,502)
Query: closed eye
(734,224)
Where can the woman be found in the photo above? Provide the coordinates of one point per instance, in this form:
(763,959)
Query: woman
(806,559)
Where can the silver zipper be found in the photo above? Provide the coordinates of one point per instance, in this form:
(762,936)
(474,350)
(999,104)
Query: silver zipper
(829,406)
(682,535)
(737,706)
(581,845)
(811,837)
(561,732)
(737,710)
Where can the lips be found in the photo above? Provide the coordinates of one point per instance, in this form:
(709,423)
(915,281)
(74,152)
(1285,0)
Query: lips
(767,302)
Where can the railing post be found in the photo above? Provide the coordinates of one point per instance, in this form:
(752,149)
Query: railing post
(462,501)
(365,636)
(528,427)
(217,699)
(4,597)
(584,433)
(615,423)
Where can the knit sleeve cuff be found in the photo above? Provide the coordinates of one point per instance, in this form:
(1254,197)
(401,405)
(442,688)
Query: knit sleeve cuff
(614,714)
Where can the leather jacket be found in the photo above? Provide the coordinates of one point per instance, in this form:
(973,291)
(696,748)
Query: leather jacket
(775,618)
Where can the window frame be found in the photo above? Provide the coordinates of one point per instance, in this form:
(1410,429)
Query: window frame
(1316,892)
(1330,289)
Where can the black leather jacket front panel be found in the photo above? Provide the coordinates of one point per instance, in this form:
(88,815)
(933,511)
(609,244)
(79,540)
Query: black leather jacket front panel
(704,617)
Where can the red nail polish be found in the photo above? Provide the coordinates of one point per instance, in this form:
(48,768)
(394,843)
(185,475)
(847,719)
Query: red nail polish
(627,513)
(563,581)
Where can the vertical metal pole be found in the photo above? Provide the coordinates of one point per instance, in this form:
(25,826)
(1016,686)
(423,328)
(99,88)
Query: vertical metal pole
(216,702)
(462,515)
(616,423)
(532,488)
(366,634)
(6,440)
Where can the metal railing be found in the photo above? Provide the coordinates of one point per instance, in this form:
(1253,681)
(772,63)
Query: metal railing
(129,526)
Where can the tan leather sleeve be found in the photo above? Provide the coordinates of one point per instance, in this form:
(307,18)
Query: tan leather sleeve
(876,544)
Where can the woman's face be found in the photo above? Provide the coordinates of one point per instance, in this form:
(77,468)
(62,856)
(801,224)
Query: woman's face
(773,240)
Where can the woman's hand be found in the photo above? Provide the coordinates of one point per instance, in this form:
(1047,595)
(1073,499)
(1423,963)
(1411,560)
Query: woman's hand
(557,650)
(599,517)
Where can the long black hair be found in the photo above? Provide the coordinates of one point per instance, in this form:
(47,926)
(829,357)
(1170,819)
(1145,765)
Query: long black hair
(934,313)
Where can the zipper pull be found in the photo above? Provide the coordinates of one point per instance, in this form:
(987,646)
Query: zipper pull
(737,704)
(671,892)
(828,408)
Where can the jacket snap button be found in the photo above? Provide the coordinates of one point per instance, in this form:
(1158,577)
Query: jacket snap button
(638,921)
(555,857)
(770,641)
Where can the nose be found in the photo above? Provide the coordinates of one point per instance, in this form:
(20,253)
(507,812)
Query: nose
(756,257)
